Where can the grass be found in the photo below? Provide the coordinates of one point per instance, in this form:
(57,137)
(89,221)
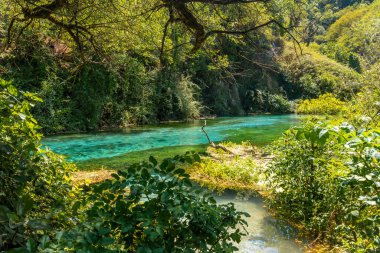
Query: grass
(238,171)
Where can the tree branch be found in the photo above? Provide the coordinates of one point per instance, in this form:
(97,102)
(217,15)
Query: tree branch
(221,2)
(200,35)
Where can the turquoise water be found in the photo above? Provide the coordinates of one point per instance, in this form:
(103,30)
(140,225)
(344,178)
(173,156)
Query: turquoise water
(260,130)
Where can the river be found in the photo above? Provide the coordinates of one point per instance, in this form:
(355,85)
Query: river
(117,148)
(260,130)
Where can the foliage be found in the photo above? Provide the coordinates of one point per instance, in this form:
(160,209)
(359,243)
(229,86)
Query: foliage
(342,54)
(260,101)
(189,107)
(146,208)
(151,208)
(324,104)
(134,66)
(312,74)
(358,31)
(34,183)
(325,178)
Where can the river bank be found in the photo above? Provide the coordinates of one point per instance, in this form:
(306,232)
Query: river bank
(239,178)
(264,233)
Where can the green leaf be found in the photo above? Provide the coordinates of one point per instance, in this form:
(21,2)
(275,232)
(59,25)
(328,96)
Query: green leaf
(355,213)
(44,241)
(38,224)
(22,116)
(322,133)
(24,205)
(116,176)
(153,160)
(12,90)
(106,241)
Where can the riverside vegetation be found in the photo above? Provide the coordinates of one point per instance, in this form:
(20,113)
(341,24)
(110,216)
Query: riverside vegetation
(161,205)
(176,60)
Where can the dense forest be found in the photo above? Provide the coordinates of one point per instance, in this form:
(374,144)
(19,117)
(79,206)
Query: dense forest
(69,66)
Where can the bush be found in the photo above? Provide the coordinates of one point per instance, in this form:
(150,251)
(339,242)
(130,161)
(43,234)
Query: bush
(151,208)
(357,31)
(325,179)
(278,104)
(312,74)
(34,183)
(324,104)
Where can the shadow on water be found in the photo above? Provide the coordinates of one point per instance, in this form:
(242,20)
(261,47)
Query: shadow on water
(265,234)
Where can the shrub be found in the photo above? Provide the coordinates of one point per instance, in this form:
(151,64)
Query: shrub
(152,208)
(325,179)
(34,183)
(324,104)
(279,104)
(262,101)
(358,31)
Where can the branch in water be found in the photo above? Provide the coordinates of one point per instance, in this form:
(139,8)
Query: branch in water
(212,144)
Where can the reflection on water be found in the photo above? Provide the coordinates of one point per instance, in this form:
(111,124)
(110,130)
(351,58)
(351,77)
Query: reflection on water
(265,234)
(258,129)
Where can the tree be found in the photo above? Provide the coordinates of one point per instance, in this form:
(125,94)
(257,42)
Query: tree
(88,22)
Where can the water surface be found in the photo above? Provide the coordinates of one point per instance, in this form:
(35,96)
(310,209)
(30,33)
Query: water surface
(265,234)
(260,130)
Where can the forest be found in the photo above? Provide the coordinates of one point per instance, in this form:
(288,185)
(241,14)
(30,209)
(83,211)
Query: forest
(93,68)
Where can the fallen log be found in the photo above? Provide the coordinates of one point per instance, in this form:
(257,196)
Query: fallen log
(212,144)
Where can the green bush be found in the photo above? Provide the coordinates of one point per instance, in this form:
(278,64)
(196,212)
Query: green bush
(279,104)
(151,207)
(342,54)
(357,31)
(324,104)
(313,74)
(325,179)
(34,183)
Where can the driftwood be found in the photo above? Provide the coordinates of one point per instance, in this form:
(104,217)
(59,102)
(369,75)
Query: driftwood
(212,144)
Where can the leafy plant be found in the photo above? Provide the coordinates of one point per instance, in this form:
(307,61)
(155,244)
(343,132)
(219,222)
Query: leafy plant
(325,178)
(152,208)
(263,101)
(146,208)
(34,183)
